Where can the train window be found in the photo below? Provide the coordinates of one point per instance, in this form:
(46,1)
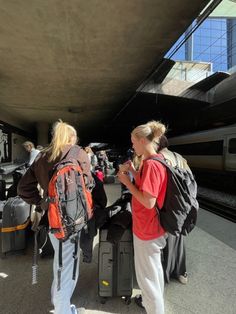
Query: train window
(232,146)
(205,148)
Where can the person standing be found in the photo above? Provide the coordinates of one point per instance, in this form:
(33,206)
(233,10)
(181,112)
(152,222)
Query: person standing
(64,139)
(100,217)
(33,152)
(99,174)
(103,161)
(174,253)
(148,234)
(92,157)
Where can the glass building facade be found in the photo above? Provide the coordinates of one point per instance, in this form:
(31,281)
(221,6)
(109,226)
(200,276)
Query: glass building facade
(214,42)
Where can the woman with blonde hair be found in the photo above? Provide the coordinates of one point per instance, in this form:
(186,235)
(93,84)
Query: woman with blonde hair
(63,145)
(148,235)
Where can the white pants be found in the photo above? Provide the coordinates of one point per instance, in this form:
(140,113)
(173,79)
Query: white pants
(61,299)
(149,273)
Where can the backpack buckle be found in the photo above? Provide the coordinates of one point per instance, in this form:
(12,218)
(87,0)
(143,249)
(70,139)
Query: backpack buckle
(50,199)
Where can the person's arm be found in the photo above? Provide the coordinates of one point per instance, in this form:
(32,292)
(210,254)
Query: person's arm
(27,188)
(143,197)
(85,166)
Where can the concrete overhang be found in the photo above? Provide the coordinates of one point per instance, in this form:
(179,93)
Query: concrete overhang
(82,60)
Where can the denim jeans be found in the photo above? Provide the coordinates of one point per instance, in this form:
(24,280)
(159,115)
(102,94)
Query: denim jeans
(61,299)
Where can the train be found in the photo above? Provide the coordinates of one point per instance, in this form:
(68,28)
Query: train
(211,154)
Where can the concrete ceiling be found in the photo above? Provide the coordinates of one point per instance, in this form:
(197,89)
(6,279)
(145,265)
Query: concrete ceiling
(81,60)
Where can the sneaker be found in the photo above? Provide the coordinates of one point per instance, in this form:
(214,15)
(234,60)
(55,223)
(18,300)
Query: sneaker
(183,278)
(139,301)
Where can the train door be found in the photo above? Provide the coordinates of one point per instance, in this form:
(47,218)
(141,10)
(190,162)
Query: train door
(230,153)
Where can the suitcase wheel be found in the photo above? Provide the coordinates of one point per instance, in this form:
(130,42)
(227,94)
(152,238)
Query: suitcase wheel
(127,300)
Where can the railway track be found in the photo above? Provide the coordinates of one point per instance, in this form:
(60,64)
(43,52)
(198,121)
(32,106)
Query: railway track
(224,210)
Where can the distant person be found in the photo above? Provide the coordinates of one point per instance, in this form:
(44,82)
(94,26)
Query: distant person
(174,255)
(99,218)
(4,145)
(92,157)
(148,235)
(103,161)
(99,174)
(63,142)
(33,152)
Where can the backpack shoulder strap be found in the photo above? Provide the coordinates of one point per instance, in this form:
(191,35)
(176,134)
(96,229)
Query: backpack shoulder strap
(73,152)
(176,159)
(162,161)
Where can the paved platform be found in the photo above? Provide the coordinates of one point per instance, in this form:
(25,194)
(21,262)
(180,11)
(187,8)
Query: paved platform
(211,264)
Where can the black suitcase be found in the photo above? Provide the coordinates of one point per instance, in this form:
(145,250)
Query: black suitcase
(15,219)
(115,267)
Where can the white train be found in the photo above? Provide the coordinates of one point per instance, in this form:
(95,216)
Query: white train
(209,151)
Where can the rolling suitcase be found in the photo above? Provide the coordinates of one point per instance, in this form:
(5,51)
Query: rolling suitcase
(115,267)
(2,204)
(15,219)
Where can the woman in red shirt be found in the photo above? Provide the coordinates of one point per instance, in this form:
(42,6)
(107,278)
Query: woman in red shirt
(149,236)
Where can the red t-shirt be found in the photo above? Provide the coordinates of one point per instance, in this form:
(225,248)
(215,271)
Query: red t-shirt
(152,178)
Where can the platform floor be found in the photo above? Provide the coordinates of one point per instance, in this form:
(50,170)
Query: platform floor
(211,265)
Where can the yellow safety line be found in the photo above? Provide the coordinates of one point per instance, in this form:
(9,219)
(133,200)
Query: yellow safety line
(19,227)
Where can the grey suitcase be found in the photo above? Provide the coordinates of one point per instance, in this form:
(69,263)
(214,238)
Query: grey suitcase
(2,204)
(15,219)
(115,267)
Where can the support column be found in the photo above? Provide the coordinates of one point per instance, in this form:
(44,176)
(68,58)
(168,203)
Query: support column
(231,42)
(189,46)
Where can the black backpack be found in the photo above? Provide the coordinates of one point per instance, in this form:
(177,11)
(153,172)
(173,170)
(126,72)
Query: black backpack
(179,212)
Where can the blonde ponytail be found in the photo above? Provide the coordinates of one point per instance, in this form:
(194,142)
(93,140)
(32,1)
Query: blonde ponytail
(152,130)
(158,128)
(62,135)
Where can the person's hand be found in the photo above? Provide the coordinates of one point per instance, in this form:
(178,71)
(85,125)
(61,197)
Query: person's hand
(123,177)
(43,206)
(124,167)
(35,217)
(127,166)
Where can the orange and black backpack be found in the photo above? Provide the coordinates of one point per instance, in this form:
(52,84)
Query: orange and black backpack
(70,205)
(69,200)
